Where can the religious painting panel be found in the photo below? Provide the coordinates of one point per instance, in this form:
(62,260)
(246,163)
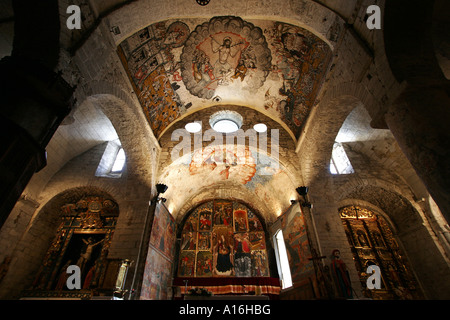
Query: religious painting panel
(83,250)
(223,213)
(257,240)
(240,220)
(259,264)
(204,241)
(186,264)
(189,240)
(297,245)
(157,276)
(163,232)
(191,225)
(205,220)
(224,246)
(223,251)
(204,264)
(242,255)
(253,222)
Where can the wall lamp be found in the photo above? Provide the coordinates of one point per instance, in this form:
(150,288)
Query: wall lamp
(160,189)
(303,191)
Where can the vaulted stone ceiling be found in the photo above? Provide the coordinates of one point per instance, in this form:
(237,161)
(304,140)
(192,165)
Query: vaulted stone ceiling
(180,66)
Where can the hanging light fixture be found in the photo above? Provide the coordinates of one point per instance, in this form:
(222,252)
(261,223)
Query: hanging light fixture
(202,2)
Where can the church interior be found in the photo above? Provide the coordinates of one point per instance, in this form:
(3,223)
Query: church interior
(240,149)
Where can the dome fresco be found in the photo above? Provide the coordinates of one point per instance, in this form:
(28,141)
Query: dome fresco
(178,67)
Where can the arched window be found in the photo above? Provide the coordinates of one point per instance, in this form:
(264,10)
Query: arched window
(282,259)
(339,162)
(119,162)
(112,162)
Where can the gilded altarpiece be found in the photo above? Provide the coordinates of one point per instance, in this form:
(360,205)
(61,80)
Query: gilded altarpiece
(372,242)
(223,238)
(83,239)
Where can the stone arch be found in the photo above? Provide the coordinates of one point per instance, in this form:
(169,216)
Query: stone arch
(130,126)
(317,139)
(391,200)
(207,194)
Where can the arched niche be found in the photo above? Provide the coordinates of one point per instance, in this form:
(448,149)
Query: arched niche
(85,222)
(373,242)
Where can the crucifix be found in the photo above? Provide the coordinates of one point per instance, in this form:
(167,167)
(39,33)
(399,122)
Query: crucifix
(320,274)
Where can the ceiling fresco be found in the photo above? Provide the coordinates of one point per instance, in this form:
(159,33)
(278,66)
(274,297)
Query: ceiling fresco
(258,173)
(177,67)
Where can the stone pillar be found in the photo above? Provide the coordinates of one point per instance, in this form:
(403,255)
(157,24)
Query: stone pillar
(420,121)
(34,101)
(33,98)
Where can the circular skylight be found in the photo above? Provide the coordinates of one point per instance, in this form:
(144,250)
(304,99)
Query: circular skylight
(193,127)
(260,127)
(226,121)
(225,126)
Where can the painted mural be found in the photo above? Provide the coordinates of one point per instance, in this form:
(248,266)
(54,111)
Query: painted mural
(297,244)
(158,265)
(223,238)
(179,65)
(221,51)
(258,173)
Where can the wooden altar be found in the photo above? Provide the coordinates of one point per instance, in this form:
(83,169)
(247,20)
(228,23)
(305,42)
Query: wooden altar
(231,287)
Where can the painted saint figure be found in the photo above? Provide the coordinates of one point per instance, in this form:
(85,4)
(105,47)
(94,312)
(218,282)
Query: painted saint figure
(242,256)
(224,266)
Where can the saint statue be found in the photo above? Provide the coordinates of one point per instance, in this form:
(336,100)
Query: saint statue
(341,276)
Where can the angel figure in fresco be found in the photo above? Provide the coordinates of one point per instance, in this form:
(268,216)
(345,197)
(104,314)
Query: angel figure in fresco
(240,70)
(222,67)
